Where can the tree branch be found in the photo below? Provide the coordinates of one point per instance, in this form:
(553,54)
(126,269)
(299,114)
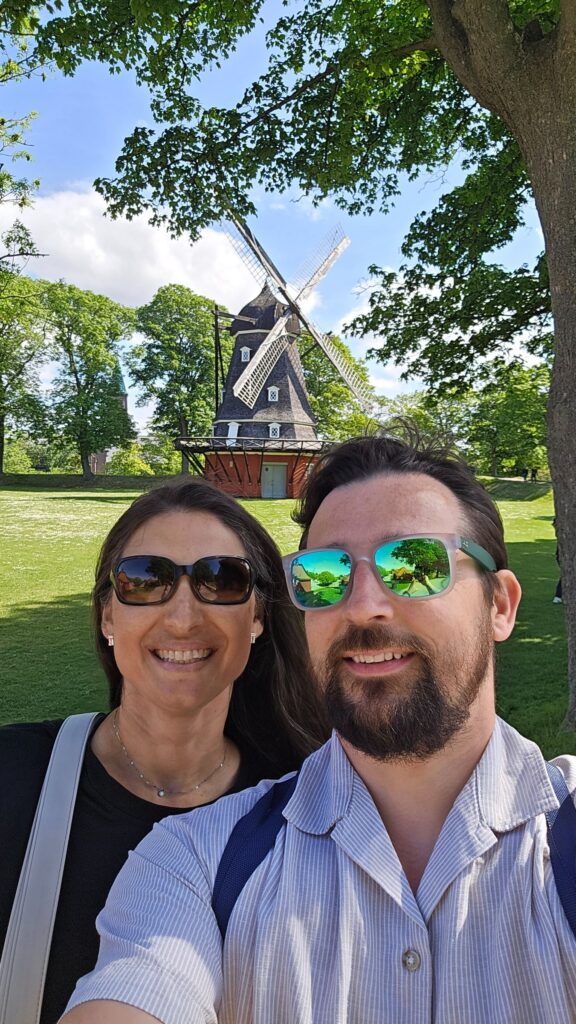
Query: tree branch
(297,91)
(421,45)
(482,46)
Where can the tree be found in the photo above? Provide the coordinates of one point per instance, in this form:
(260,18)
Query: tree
(23,331)
(497,427)
(338,414)
(507,423)
(437,420)
(358,92)
(174,365)
(127,461)
(86,330)
(17,27)
(159,454)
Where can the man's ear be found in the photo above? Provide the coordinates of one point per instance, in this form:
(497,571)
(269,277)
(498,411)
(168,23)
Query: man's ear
(505,604)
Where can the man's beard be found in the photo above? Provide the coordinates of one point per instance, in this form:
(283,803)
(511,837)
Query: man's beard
(373,715)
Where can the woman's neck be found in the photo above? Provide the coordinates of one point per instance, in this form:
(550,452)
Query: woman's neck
(168,760)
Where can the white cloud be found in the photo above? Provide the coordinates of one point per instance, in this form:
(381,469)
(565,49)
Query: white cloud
(128,260)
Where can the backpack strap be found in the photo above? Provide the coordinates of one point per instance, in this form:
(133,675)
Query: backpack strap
(562,841)
(252,837)
(29,934)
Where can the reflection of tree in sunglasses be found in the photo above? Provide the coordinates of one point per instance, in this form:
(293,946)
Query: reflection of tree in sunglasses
(425,558)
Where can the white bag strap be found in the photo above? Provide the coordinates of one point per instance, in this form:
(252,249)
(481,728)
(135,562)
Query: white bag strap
(29,936)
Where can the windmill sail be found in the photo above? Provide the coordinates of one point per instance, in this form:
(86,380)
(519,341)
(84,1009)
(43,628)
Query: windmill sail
(252,380)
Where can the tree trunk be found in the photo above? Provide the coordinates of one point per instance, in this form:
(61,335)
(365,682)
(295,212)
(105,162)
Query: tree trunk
(86,470)
(532,87)
(556,206)
(185,468)
(2,437)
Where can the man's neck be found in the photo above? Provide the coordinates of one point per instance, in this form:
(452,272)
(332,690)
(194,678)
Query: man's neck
(415,797)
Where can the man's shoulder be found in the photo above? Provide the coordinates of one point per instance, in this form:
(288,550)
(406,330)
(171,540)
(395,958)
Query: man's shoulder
(567,765)
(198,838)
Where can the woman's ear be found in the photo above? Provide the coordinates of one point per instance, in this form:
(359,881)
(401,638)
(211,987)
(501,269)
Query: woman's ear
(107,620)
(505,603)
(259,617)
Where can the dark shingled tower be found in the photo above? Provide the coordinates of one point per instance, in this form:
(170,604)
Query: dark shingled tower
(283,403)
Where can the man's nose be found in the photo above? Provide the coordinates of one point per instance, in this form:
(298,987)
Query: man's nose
(368,598)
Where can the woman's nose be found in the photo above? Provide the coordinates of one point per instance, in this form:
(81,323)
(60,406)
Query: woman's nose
(183,608)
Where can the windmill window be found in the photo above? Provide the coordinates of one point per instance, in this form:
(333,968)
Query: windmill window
(274,430)
(272,394)
(244,355)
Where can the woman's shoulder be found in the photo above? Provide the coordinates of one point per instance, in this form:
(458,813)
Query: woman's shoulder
(27,744)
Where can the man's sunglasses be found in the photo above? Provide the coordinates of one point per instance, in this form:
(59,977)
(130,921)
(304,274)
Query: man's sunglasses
(151,579)
(417,567)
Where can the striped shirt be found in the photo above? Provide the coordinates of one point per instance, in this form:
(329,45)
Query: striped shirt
(328,930)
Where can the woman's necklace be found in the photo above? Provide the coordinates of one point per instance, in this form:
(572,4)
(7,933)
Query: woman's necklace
(161,790)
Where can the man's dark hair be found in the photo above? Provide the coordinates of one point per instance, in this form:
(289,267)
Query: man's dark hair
(364,457)
(274,711)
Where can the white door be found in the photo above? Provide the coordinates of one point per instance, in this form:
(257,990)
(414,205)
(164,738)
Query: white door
(274,480)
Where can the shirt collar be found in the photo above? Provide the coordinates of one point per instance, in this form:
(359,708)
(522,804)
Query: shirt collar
(324,791)
(511,780)
(510,784)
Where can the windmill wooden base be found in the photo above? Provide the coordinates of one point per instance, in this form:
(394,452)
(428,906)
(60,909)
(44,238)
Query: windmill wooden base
(253,467)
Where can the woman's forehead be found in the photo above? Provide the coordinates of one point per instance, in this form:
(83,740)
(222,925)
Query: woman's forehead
(184,535)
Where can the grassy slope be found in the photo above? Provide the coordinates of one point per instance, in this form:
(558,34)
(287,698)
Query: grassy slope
(50,541)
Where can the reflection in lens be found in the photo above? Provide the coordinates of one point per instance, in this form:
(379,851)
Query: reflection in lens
(320,578)
(414,566)
(226,580)
(143,580)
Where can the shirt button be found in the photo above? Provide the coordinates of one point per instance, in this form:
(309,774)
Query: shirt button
(411,960)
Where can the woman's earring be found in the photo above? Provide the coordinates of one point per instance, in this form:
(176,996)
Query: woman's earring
(110,641)
(252,638)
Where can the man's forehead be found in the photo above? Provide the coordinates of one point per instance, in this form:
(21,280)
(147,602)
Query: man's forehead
(388,504)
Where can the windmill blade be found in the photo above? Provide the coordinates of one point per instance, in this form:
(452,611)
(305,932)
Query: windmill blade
(254,256)
(319,264)
(252,380)
(361,391)
(357,385)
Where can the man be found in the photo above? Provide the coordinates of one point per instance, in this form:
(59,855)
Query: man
(412,880)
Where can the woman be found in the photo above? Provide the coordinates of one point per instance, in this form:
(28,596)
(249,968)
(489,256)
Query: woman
(209,689)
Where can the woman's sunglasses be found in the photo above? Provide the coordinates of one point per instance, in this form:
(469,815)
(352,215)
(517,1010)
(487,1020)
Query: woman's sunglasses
(151,579)
(417,567)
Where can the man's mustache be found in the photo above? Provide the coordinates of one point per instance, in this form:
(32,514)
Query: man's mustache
(374,638)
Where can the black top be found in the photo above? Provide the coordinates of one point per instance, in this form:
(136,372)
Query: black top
(108,822)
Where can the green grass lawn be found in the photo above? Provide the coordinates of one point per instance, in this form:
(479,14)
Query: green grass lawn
(50,541)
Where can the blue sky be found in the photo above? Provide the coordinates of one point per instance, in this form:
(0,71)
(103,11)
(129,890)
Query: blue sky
(77,136)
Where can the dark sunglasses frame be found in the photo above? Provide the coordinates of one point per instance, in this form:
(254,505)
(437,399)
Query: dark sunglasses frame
(183,570)
(451,541)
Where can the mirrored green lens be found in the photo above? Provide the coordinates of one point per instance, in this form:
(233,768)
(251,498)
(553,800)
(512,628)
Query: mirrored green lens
(414,566)
(320,578)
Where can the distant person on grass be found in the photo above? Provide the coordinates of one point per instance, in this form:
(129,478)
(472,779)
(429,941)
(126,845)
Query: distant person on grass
(210,691)
(411,880)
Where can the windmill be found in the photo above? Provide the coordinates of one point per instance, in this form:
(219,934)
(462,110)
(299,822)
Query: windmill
(264,435)
(251,381)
